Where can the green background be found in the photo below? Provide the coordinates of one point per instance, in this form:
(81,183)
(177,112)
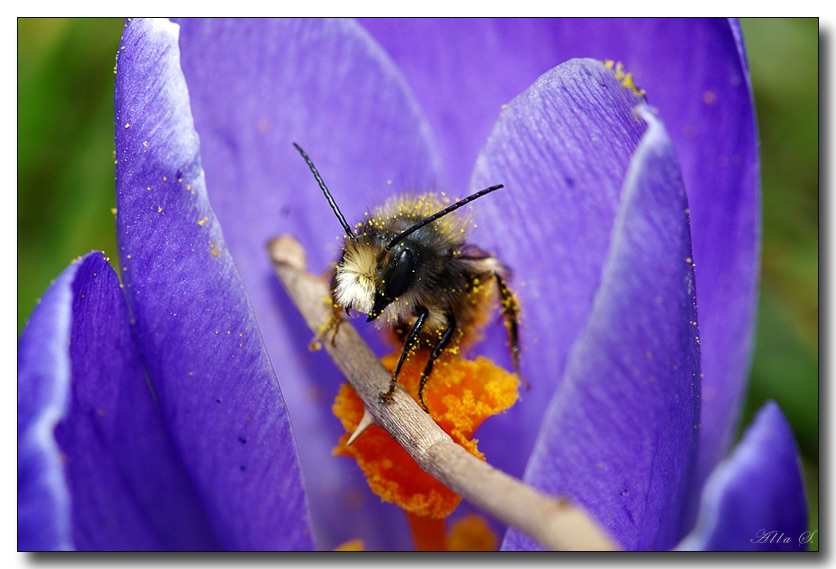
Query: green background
(66,190)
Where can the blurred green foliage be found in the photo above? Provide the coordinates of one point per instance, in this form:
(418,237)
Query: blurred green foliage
(66,189)
(784,64)
(65,168)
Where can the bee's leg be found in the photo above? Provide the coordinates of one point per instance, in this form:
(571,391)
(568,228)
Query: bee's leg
(408,346)
(511,311)
(333,323)
(437,349)
(334,320)
(336,310)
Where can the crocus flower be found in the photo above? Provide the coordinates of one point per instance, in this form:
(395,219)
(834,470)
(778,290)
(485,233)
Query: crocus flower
(630,222)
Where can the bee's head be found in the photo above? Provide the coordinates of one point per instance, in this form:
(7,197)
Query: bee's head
(397,271)
(370,277)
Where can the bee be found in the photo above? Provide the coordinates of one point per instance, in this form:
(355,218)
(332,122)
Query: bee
(409,266)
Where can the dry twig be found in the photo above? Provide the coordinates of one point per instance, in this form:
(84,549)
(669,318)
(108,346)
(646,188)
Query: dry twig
(554,522)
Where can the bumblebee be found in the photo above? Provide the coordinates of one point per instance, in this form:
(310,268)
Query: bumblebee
(408,266)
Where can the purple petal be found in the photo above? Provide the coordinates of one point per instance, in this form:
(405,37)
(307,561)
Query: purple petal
(754,499)
(619,437)
(127,489)
(695,73)
(43,378)
(562,149)
(216,389)
(128,486)
(256,87)
(721,167)
(464,70)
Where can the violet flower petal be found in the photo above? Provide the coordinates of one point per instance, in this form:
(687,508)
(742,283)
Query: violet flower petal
(562,149)
(754,499)
(128,486)
(214,383)
(695,73)
(43,514)
(256,87)
(117,483)
(619,437)
(452,65)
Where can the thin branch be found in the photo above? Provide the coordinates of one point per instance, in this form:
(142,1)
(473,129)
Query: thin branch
(552,521)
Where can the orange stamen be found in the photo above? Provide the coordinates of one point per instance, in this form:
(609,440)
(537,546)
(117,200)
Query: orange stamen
(428,532)
(460,394)
(470,533)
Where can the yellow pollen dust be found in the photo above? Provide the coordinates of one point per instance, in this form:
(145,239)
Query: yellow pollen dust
(624,77)
(460,395)
(351,545)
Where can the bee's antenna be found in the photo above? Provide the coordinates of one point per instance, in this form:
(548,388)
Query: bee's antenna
(325,191)
(401,236)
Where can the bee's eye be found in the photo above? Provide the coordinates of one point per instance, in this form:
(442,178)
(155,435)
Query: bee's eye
(400,275)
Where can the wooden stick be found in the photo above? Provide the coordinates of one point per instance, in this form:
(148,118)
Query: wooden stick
(552,521)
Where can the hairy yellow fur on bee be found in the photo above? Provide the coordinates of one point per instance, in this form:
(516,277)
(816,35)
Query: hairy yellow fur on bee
(355,277)
(389,218)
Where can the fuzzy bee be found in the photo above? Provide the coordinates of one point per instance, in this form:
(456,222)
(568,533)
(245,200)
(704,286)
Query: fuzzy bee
(408,265)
